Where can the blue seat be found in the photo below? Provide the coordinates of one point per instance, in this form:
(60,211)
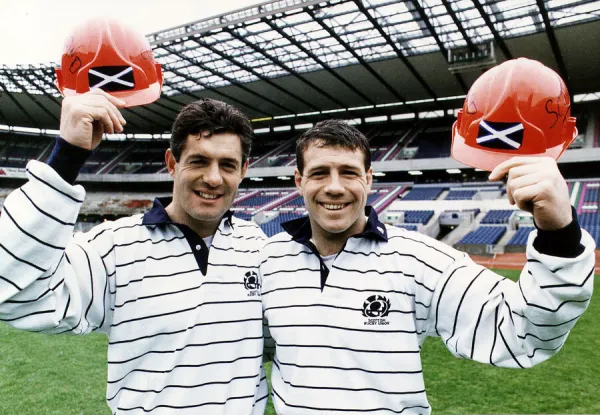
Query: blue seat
(461,194)
(520,237)
(497,216)
(423,193)
(487,235)
(417,216)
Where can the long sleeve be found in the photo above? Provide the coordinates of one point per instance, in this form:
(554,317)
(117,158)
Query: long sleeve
(51,280)
(482,316)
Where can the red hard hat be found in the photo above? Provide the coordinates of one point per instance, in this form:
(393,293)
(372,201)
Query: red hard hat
(106,54)
(518,108)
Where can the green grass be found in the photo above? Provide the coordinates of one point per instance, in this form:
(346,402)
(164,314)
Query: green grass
(66,375)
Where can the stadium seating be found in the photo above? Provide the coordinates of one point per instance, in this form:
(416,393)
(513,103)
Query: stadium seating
(589,219)
(296,202)
(487,235)
(260,199)
(497,216)
(592,194)
(461,194)
(417,216)
(520,237)
(423,193)
(434,143)
(274,226)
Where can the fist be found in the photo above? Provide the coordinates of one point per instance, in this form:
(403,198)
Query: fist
(535,185)
(85,118)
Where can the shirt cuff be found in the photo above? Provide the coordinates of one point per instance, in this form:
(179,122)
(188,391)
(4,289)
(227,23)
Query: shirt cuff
(67,159)
(564,243)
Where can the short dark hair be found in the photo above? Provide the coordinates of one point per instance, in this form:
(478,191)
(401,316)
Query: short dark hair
(333,133)
(215,117)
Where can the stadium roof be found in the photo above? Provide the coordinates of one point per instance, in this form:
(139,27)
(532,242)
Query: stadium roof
(307,59)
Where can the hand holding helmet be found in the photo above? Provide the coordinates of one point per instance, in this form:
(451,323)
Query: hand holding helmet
(535,185)
(85,118)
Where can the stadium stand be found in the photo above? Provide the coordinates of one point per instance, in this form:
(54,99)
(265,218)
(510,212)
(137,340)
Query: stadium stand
(485,235)
(273,226)
(460,194)
(520,237)
(418,216)
(423,193)
(262,198)
(434,143)
(497,216)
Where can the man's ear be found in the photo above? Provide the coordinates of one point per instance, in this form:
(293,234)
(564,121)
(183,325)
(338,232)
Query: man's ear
(244,169)
(298,180)
(370,177)
(170,162)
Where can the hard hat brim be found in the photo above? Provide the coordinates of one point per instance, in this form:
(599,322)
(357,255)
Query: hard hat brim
(132,98)
(488,160)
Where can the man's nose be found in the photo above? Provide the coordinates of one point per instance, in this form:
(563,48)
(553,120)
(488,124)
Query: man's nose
(334,185)
(212,175)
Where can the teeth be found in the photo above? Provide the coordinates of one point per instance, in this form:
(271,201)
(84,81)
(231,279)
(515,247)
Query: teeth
(207,196)
(329,206)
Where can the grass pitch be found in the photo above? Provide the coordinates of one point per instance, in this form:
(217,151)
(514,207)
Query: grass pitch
(67,375)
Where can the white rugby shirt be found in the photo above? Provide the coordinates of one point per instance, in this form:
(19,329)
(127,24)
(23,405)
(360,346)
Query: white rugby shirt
(347,340)
(184,322)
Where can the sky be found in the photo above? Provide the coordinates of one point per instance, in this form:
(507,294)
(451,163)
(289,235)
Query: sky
(33,31)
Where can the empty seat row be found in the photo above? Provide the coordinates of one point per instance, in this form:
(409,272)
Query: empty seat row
(487,235)
(589,219)
(274,226)
(497,216)
(461,194)
(520,237)
(260,199)
(423,193)
(417,216)
(592,194)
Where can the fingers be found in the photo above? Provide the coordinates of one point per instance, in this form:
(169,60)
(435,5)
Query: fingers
(524,196)
(524,179)
(117,102)
(503,168)
(105,101)
(103,115)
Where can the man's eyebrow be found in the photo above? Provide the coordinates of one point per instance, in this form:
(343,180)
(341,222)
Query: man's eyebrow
(229,160)
(318,167)
(349,166)
(199,156)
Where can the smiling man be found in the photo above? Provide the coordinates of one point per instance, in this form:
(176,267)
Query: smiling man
(175,289)
(349,301)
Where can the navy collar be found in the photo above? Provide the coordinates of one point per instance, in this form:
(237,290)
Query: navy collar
(300,230)
(158,215)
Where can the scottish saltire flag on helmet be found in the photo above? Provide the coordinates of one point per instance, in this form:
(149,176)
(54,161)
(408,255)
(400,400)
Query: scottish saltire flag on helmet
(111,78)
(501,135)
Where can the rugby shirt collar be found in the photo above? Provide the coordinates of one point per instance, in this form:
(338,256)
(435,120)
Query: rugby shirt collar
(158,215)
(300,231)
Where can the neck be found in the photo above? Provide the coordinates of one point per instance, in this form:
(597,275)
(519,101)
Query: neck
(328,243)
(201,228)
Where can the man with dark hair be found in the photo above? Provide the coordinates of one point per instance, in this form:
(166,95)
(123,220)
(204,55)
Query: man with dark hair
(349,300)
(176,289)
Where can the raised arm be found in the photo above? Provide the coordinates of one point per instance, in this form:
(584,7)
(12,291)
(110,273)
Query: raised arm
(50,280)
(482,316)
